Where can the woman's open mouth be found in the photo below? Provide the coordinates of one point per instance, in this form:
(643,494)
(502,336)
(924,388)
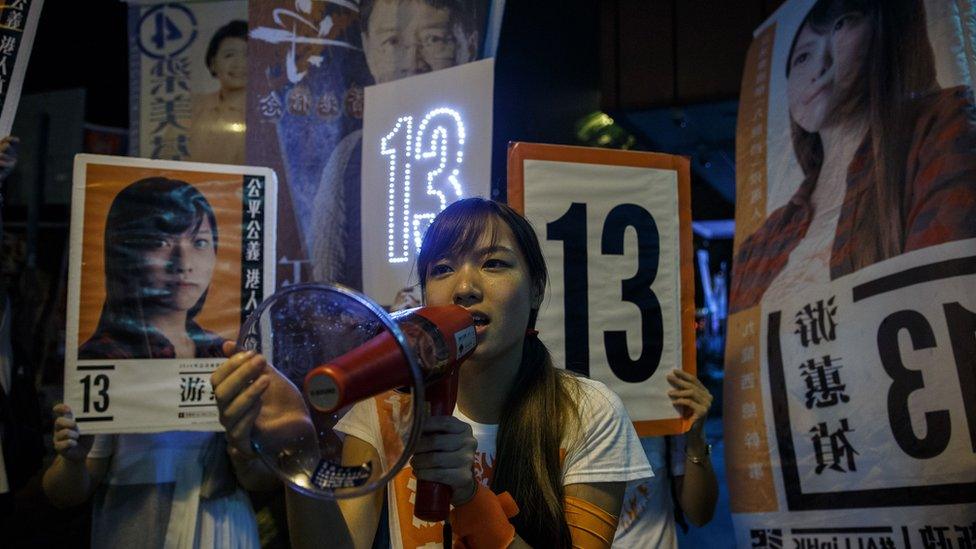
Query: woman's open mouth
(481,322)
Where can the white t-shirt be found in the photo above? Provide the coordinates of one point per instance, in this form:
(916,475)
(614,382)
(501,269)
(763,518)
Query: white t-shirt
(606,449)
(152,497)
(148,459)
(647,518)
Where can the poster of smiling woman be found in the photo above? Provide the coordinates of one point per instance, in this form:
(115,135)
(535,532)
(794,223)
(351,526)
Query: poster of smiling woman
(167,259)
(188,80)
(851,361)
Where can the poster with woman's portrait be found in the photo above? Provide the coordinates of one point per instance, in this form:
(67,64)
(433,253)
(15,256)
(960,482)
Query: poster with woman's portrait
(167,259)
(188,68)
(850,382)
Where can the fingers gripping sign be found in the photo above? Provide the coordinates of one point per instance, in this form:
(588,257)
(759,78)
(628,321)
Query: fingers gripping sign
(8,154)
(68,442)
(249,393)
(690,395)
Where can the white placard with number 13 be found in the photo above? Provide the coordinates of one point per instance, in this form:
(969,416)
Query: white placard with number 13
(615,229)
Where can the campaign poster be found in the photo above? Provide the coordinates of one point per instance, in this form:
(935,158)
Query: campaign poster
(167,259)
(188,80)
(309,64)
(850,388)
(18,24)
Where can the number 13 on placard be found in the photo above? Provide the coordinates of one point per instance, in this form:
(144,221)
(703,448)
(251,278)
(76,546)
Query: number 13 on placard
(95,395)
(571,230)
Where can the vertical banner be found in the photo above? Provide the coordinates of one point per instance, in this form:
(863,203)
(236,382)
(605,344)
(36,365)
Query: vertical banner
(188,80)
(18,24)
(615,228)
(426,143)
(166,261)
(309,64)
(850,388)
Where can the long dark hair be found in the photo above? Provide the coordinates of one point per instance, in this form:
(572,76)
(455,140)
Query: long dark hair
(143,211)
(541,407)
(899,66)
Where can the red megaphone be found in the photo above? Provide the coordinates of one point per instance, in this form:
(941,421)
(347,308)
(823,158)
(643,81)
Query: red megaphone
(442,338)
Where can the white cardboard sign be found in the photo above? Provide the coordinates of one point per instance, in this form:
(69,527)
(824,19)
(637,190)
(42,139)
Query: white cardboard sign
(140,256)
(612,226)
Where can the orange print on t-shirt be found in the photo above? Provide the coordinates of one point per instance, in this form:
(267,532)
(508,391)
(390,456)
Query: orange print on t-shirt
(413,532)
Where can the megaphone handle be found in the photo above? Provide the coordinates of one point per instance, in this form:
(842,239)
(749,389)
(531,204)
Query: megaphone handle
(433,502)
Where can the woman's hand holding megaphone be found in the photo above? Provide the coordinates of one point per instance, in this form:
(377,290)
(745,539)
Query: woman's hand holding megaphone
(445,454)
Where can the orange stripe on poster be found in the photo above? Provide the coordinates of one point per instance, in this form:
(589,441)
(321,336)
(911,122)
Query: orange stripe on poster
(747,448)
(751,138)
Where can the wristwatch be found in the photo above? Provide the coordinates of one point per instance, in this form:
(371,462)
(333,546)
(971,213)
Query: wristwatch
(699,460)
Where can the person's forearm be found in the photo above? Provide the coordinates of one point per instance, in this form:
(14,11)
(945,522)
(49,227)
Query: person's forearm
(253,474)
(699,488)
(67,483)
(312,521)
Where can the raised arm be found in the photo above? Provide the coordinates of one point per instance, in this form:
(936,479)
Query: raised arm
(350,523)
(697,489)
(239,384)
(73,476)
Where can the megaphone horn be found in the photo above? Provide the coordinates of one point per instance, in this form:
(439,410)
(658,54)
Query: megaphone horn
(442,338)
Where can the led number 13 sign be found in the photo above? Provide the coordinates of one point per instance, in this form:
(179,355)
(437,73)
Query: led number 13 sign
(430,151)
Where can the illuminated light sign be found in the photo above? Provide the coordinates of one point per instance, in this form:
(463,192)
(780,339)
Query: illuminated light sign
(426,143)
(444,155)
